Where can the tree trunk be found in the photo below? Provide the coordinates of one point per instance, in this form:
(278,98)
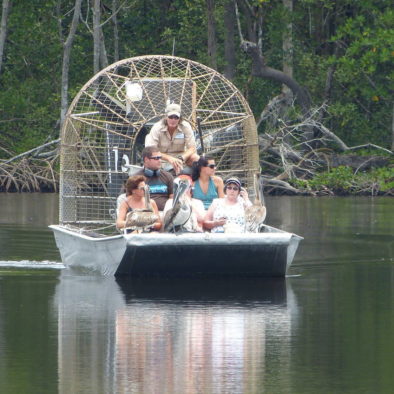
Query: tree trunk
(96,36)
(211,34)
(3,28)
(287,44)
(103,51)
(116,30)
(229,44)
(260,69)
(66,60)
(259,66)
(392,131)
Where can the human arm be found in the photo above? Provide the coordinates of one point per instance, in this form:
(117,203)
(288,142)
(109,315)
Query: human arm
(190,153)
(245,196)
(219,185)
(209,222)
(122,197)
(176,162)
(170,184)
(153,137)
(121,218)
(199,211)
(156,225)
(187,157)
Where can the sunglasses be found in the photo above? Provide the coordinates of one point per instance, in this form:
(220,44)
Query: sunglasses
(236,188)
(140,187)
(173,117)
(155,157)
(211,166)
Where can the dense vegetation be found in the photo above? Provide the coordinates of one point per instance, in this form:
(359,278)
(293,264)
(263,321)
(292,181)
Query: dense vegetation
(339,54)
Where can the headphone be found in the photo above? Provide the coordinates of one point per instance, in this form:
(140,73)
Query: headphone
(149,173)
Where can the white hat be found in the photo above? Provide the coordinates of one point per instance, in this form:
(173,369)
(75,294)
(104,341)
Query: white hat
(173,109)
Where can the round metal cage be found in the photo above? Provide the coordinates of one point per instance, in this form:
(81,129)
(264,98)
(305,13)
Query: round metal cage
(106,124)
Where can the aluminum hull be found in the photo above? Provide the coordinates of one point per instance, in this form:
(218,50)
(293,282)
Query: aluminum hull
(265,254)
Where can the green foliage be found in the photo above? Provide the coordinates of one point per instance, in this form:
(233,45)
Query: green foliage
(343,180)
(384,177)
(338,179)
(355,40)
(365,71)
(360,100)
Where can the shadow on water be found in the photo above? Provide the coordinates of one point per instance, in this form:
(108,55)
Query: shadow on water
(244,290)
(110,292)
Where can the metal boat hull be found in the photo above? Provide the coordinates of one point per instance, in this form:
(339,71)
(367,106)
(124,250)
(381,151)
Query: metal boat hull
(266,254)
(89,254)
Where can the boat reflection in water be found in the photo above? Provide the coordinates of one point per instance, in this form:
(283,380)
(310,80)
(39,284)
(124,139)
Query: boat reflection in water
(172,336)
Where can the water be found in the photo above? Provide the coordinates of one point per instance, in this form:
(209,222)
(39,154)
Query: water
(327,328)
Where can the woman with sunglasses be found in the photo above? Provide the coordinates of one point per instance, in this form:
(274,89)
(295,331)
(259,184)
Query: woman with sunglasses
(207,186)
(136,201)
(174,138)
(228,214)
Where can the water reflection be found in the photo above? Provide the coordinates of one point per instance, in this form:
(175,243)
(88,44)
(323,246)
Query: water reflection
(104,336)
(168,336)
(24,218)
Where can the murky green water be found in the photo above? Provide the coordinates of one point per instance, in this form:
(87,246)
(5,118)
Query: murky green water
(327,328)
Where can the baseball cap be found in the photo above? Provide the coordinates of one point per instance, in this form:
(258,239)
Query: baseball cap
(173,109)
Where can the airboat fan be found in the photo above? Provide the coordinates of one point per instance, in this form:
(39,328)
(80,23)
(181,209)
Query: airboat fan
(106,124)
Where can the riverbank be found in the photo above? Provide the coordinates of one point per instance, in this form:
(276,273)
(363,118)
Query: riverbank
(338,181)
(344,181)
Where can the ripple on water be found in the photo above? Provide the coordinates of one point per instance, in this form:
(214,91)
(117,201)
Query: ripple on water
(32,264)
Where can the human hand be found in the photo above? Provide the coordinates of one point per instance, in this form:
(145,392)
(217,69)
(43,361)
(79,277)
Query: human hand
(221,221)
(177,164)
(244,194)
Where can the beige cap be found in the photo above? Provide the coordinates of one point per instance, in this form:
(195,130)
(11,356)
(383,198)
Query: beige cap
(173,109)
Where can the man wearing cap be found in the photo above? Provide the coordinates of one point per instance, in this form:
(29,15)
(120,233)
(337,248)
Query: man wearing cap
(161,183)
(174,138)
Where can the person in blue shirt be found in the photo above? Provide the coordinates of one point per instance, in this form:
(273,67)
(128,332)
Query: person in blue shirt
(161,183)
(207,185)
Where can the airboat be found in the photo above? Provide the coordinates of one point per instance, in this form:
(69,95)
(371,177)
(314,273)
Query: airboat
(101,140)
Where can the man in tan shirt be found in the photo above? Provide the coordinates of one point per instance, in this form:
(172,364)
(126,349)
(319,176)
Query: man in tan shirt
(174,138)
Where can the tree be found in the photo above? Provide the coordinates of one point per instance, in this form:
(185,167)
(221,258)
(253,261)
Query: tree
(212,55)
(364,71)
(3,28)
(116,30)
(229,40)
(288,42)
(253,47)
(67,46)
(97,35)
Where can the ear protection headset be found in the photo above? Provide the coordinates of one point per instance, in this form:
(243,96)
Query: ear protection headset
(149,173)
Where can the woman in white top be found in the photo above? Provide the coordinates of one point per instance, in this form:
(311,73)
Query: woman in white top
(228,214)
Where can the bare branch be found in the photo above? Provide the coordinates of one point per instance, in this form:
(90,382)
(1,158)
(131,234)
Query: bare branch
(114,13)
(31,151)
